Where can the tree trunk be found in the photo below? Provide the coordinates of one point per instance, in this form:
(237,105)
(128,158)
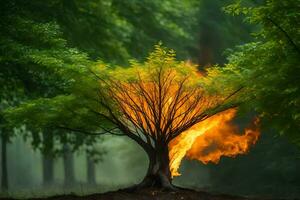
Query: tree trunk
(48,161)
(158,173)
(69,177)
(90,171)
(4,177)
(48,170)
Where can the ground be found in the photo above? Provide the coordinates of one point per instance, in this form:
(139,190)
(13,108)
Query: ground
(150,194)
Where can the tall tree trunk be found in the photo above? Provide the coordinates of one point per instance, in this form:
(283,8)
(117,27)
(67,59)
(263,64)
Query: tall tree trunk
(48,170)
(210,43)
(48,161)
(91,176)
(4,175)
(206,56)
(69,177)
(158,173)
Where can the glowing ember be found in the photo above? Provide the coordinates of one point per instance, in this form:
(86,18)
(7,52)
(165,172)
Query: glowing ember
(207,141)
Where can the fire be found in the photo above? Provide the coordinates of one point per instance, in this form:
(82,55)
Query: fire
(207,141)
(161,102)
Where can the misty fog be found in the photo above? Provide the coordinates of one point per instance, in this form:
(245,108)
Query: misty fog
(267,166)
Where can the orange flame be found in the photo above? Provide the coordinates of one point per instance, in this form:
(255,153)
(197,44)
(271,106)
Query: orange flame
(207,141)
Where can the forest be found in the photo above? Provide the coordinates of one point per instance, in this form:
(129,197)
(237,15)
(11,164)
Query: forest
(150,99)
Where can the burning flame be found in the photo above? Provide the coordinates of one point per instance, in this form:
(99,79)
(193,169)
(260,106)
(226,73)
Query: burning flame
(173,96)
(207,141)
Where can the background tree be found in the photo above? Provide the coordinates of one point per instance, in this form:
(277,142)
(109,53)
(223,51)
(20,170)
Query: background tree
(115,31)
(32,54)
(94,155)
(215,32)
(268,68)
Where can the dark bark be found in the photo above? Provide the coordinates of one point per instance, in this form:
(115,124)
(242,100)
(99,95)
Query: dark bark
(69,177)
(48,170)
(4,177)
(91,176)
(158,173)
(48,161)
(206,56)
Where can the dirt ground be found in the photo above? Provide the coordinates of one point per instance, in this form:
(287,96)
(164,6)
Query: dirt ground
(149,194)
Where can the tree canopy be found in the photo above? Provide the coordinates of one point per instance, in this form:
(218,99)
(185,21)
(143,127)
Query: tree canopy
(151,103)
(74,70)
(268,68)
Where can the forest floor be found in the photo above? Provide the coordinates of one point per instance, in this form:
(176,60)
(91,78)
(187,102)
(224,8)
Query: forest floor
(150,194)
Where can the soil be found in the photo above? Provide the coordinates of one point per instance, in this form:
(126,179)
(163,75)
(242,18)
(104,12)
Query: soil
(150,194)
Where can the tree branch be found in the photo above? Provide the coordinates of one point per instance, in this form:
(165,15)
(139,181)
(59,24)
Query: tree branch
(83,131)
(285,33)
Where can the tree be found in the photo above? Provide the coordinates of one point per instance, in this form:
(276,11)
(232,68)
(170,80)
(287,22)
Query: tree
(48,158)
(4,172)
(9,96)
(269,67)
(114,30)
(69,175)
(35,50)
(91,176)
(94,154)
(32,53)
(153,21)
(151,103)
(217,32)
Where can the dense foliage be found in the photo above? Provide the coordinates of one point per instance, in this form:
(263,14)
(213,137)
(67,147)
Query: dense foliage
(42,45)
(33,56)
(53,52)
(216,32)
(36,55)
(268,68)
(115,30)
